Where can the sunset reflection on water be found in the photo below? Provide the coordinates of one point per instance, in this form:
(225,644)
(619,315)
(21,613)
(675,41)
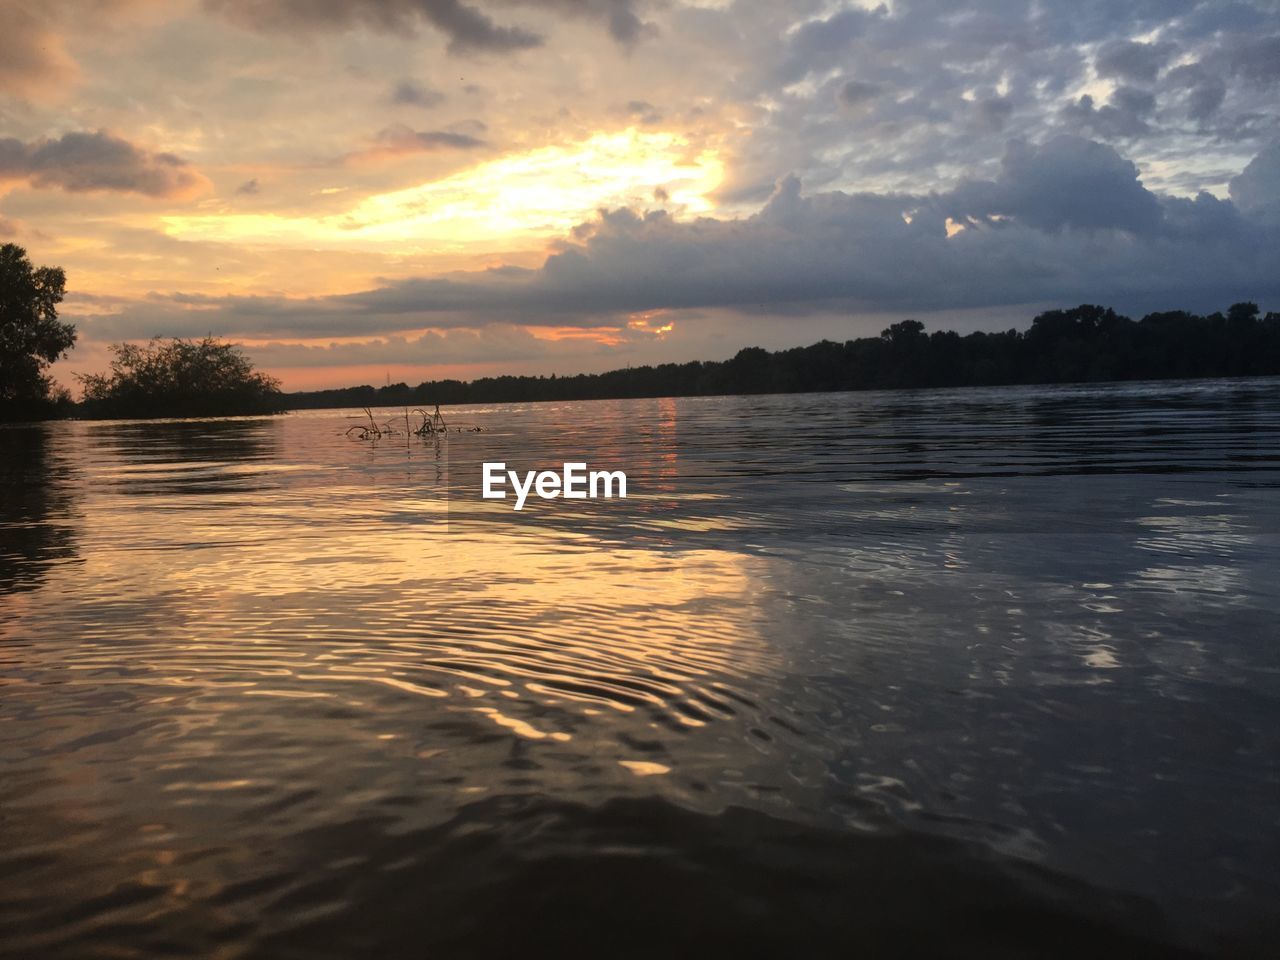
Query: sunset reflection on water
(223,640)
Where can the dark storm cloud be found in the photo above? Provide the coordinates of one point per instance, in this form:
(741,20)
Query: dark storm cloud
(1063,222)
(97,161)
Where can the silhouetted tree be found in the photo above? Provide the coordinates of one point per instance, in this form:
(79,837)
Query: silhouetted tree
(904,332)
(1242,314)
(31,336)
(180,378)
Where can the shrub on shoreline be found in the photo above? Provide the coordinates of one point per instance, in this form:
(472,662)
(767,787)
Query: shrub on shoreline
(179,378)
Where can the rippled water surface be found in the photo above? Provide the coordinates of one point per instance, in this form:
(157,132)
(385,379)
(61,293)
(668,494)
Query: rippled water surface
(976,669)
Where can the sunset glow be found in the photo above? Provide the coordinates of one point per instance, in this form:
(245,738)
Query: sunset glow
(535,195)
(639,478)
(553,187)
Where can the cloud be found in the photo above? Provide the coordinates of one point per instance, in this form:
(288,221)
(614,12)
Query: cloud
(1137,62)
(1066,183)
(994,112)
(618,16)
(399,140)
(33,60)
(1124,116)
(854,93)
(904,109)
(413,94)
(499,343)
(1257,59)
(1201,90)
(641,111)
(469,29)
(959,77)
(819,44)
(80,162)
(249,188)
(1256,190)
(1064,222)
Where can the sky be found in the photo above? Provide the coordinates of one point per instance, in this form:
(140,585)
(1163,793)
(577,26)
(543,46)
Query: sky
(364,190)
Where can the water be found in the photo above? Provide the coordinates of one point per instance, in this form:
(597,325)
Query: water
(977,670)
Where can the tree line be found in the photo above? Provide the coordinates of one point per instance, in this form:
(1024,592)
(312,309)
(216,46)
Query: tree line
(209,377)
(1084,344)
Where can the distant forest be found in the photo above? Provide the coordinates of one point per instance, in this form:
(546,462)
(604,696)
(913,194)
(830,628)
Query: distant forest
(1084,344)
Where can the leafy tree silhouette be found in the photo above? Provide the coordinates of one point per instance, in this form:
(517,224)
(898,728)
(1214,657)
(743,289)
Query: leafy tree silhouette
(179,378)
(31,336)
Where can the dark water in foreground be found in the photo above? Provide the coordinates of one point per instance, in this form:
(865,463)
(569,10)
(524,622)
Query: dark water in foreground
(979,671)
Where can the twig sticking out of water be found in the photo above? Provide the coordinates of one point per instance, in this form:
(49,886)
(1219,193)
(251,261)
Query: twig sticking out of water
(433,425)
(371,430)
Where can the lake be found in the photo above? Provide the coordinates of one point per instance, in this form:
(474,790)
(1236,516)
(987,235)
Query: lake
(969,671)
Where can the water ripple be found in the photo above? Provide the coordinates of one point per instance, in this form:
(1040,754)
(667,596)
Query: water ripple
(249,669)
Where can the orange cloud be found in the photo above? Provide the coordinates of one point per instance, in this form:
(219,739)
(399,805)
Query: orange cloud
(33,60)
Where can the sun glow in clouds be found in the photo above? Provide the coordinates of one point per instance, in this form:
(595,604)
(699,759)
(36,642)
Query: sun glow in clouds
(540,194)
(644,322)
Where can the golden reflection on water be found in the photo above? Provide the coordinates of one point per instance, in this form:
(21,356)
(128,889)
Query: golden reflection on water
(223,640)
(324,589)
